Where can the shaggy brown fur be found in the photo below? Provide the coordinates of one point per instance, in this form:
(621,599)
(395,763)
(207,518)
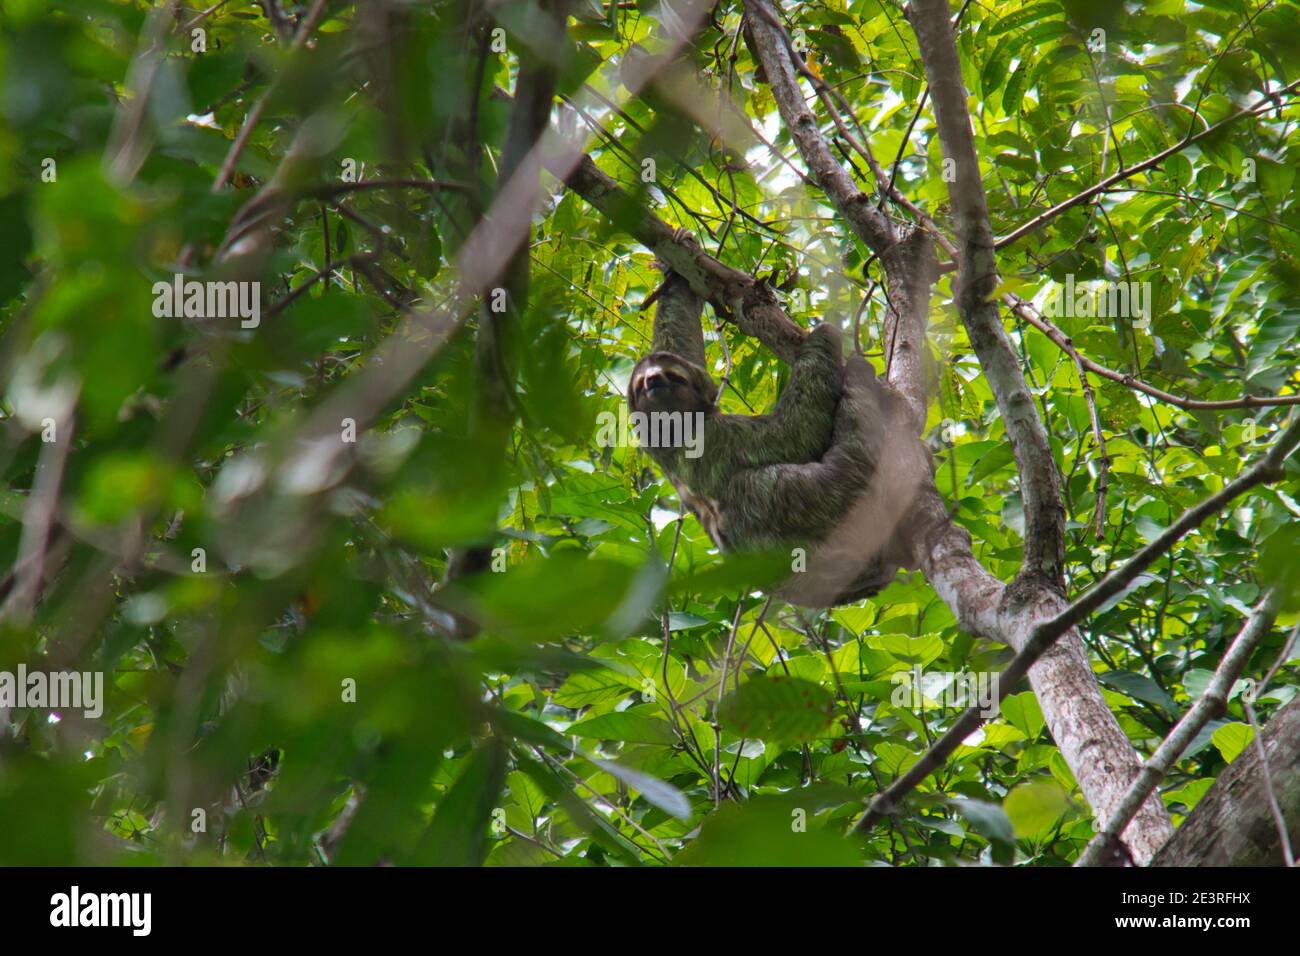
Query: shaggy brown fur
(801,476)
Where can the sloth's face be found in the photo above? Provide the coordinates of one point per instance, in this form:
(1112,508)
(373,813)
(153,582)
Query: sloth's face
(661,382)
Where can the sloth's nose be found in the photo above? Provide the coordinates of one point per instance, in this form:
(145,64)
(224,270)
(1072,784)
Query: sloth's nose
(655,381)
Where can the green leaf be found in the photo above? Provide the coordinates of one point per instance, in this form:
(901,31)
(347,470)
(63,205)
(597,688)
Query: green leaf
(995,67)
(1025,15)
(1014,93)
(1034,807)
(684,621)
(662,795)
(777,709)
(1278,565)
(999,457)
(522,727)
(1232,738)
(526,793)
(987,819)
(458,834)
(766,833)
(559,790)
(1179,169)
(1023,712)
(626,726)
(550,598)
(1277,333)
(15,245)
(1139,687)
(1188,795)
(911,650)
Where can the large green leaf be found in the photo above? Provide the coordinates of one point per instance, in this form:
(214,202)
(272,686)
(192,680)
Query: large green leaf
(780,709)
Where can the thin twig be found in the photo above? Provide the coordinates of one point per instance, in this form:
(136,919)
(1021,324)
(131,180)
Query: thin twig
(1026,311)
(38,519)
(1121,175)
(254,116)
(1288,855)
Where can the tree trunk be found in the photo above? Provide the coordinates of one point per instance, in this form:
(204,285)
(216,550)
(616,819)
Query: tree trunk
(1233,825)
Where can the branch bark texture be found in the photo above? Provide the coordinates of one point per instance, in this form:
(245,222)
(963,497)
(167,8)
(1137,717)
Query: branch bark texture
(1232,825)
(1087,732)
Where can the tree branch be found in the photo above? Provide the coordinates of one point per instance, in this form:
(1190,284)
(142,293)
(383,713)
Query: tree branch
(1026,311)
(720,284)
(851,202)
(1128,173)
(1089,735)
(907,255)
(1212,703)
(1044,634)
(976,278)
(254,116)
(1232,824)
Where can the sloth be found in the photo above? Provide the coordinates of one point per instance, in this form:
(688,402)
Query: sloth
(806,475)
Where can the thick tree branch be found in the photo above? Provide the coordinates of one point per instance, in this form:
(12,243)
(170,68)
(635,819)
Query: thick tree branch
(851,202)
(910,271)
(976,278)
(1091,740)
(1086,731)
(720,284)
